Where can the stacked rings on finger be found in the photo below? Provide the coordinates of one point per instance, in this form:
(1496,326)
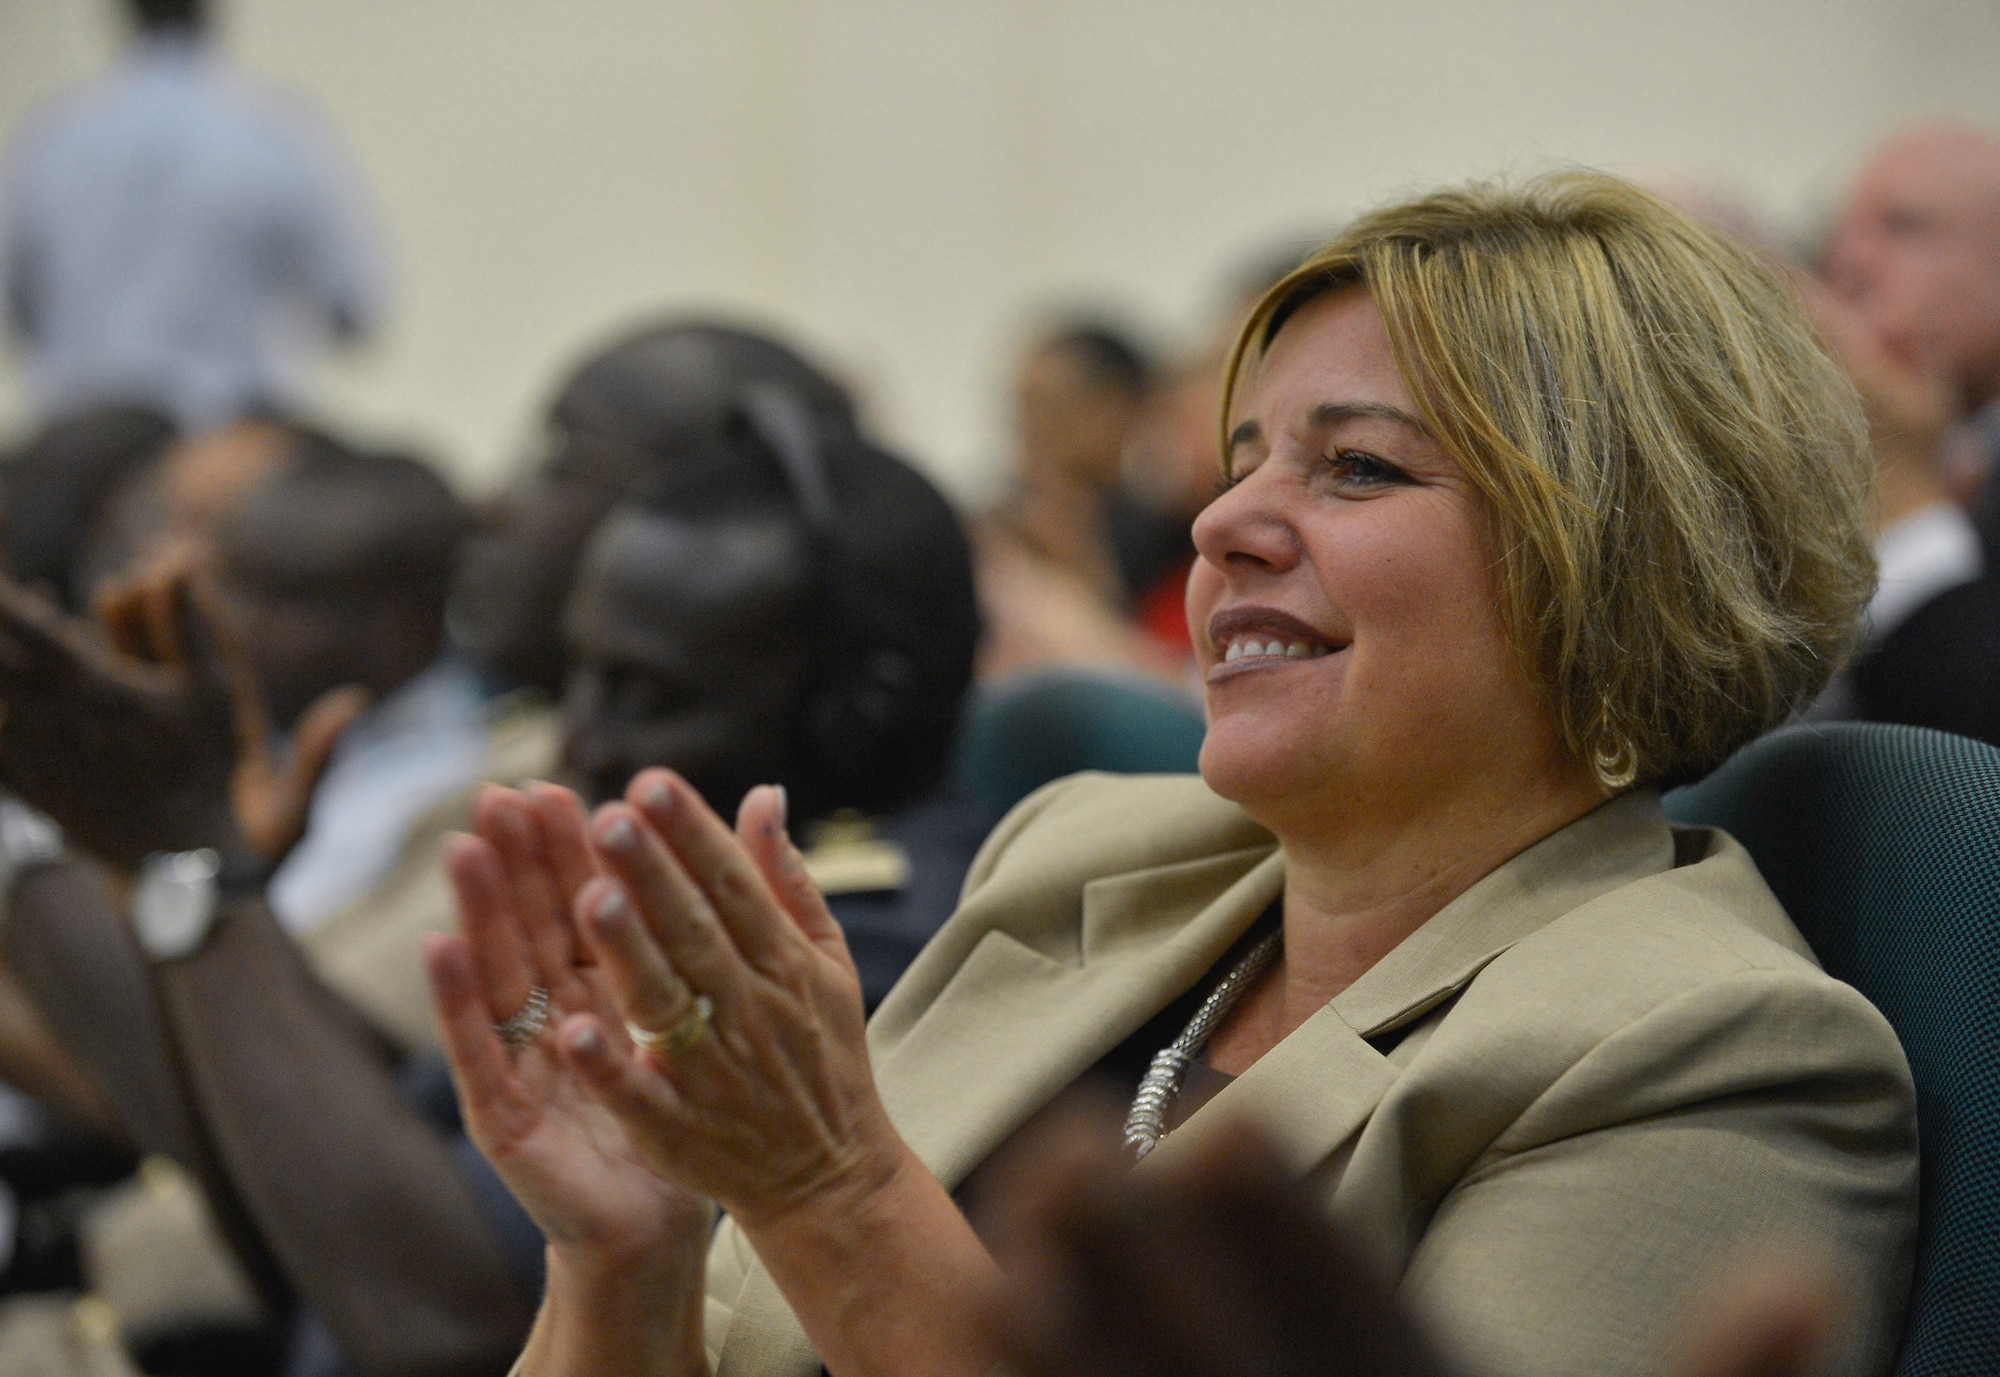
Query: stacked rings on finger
(672,1042)
(526,1023)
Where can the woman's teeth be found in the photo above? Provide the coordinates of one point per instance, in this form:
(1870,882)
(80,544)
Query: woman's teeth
(1295,650)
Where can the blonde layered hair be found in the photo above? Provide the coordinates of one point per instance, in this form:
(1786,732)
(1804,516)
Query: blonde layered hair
(1678,477)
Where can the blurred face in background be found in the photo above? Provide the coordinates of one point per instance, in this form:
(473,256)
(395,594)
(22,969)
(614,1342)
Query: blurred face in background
(1916,254)
(1170,461)
(1069,424)
(332,581)
(300,644)
(176,509)
(692,649)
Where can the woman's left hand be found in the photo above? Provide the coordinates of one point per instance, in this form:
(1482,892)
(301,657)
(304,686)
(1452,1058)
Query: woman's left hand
(768,1102)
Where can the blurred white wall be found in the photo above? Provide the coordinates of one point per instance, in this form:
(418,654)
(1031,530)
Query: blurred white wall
(902,182)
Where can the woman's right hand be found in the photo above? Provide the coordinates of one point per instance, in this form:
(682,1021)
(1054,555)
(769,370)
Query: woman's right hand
(570,1163)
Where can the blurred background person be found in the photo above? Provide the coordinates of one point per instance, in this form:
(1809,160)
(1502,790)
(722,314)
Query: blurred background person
(58,484)
(173,506)
(1076,395)
(634,410)
(740,632)
(170,230)
(1067,553)
(1170,472)
(334,573)
(1913,270)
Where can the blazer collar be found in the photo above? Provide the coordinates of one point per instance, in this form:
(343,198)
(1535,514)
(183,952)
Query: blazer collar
(1314,1089)
(1619,841)
(974,1067)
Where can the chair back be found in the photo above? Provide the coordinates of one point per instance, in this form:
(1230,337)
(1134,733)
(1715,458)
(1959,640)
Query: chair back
(1022,733)
(1883,844)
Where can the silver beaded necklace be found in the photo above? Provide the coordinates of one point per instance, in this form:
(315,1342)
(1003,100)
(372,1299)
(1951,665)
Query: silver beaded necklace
(1146,1123)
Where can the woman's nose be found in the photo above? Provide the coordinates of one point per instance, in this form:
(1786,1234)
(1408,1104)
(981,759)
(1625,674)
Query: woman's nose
(1247,528)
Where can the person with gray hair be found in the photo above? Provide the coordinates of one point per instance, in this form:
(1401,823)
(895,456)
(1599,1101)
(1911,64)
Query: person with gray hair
(1913,268)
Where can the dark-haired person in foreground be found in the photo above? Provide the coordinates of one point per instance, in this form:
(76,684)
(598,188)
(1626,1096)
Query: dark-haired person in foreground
(1224,1265)
(1509,472)
(631,413)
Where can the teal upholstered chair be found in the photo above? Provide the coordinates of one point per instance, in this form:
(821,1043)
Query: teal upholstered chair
(1021,733)
(1884,845)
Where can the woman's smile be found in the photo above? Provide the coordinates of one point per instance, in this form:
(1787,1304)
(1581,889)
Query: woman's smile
(1243,639)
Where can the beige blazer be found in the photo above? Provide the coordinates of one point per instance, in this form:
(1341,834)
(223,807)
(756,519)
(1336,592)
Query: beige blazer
(1622,1070)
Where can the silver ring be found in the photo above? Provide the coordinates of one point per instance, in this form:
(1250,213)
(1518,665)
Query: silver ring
(672,1042)
(526,1023)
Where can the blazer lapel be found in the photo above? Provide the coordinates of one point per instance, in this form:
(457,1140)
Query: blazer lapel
(1309,1094)
(1312,1091)
(975,1067)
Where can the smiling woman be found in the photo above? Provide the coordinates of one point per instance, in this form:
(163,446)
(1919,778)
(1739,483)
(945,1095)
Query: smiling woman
(1673,466)
(1537,500)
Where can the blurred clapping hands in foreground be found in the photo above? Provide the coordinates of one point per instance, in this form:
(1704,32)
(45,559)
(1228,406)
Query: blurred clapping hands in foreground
(144,731)
(1225,1263)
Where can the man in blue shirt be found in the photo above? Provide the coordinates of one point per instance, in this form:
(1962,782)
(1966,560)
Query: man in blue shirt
(170,228)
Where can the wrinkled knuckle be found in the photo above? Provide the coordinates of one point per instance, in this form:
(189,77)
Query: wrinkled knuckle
(734,884)
(791,969)
(737,1043)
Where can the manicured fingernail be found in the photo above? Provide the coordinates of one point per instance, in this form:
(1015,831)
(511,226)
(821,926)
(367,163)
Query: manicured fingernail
(619,836)
(611,907)
(658,796)
(784,808)
(586,1041)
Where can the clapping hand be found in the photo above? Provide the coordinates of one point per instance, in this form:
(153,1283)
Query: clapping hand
(145,732)
(711,1045)
(530,1027)
(576,1170)
(131,754)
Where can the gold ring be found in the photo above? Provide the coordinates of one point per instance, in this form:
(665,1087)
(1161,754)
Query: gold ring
(672,1042)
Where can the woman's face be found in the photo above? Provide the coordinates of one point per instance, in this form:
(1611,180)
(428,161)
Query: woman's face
(1345,607)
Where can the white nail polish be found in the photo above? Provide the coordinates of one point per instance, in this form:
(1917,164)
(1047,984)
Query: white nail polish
(619,836)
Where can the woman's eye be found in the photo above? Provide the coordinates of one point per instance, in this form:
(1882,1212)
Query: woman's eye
(1356,468)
